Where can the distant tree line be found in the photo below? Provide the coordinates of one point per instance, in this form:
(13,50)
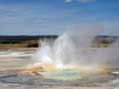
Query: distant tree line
(35,41)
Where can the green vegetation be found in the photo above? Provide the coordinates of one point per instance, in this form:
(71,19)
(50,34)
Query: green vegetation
(8,46)
(24,44)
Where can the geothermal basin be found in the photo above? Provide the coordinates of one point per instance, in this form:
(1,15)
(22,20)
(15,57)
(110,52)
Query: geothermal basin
(69,61)
(17,68)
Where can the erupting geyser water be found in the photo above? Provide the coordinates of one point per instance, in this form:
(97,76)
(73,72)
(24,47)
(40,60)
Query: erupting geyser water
(73,50)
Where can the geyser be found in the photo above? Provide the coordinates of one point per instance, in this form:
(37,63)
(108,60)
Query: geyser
(74,50)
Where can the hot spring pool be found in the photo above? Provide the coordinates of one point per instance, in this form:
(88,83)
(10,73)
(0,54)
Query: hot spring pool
(79,77)
(66,74)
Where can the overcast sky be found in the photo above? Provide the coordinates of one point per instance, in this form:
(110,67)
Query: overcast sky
(49,17)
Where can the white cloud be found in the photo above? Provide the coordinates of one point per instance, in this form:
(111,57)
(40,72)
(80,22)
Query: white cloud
(81,1)
(68,1)
(86,1)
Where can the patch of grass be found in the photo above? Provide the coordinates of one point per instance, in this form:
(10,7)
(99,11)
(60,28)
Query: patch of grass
(9,46)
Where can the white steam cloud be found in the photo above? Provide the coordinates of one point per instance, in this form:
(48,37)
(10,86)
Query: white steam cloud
(74,48)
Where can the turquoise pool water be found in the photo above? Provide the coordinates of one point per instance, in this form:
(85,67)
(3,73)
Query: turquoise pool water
(63,75)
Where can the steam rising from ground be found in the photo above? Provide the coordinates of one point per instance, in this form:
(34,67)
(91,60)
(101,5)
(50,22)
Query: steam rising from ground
(73,50)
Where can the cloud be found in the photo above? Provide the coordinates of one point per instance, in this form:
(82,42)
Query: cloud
(81,1)
(68,1)
(86,1)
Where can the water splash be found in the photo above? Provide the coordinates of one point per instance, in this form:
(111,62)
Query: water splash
(73,50)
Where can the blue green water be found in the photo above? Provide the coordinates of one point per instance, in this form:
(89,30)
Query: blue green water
(63,74)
